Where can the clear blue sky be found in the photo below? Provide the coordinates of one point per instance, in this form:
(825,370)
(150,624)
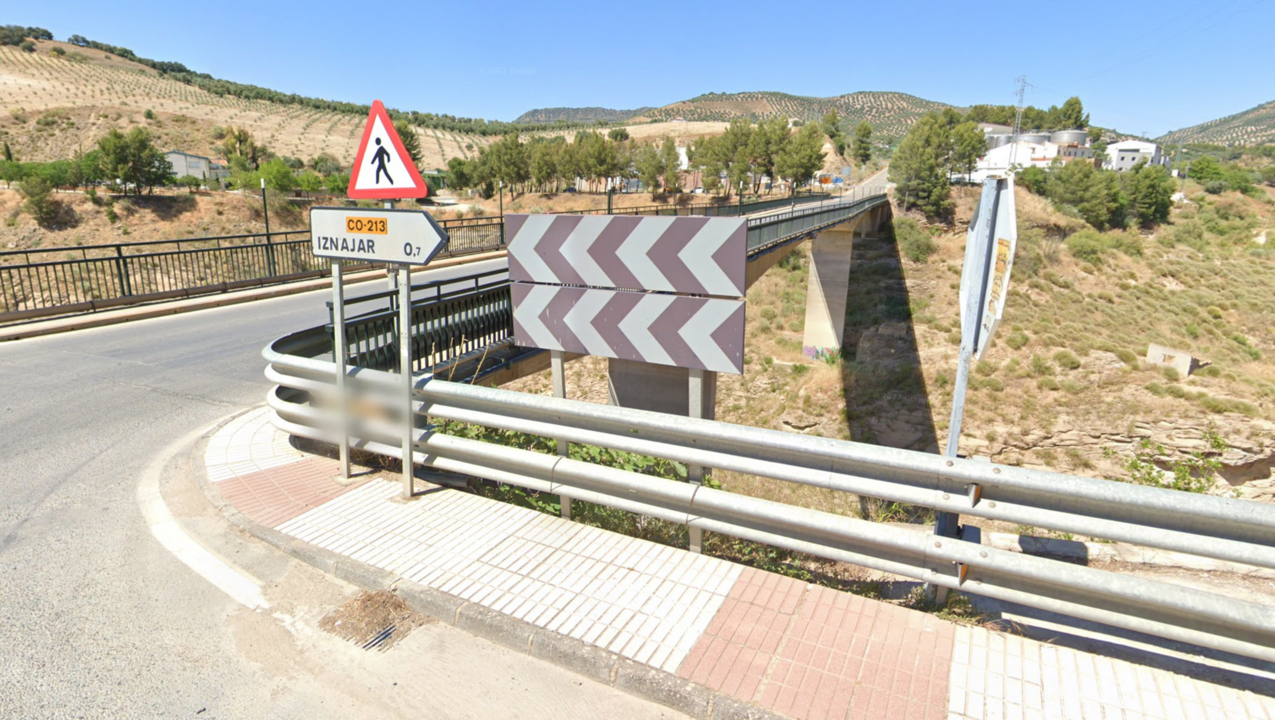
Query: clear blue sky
(1138,66)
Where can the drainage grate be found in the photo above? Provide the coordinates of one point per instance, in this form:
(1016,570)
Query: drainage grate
(373,620)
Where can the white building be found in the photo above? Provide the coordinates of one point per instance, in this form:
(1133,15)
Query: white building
(1125,154)
(184,164)
(998,161)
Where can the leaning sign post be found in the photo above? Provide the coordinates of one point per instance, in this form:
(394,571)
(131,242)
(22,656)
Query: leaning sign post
(989,260)
(399,238)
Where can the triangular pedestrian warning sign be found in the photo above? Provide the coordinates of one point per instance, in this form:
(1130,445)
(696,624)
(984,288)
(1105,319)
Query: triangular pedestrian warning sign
(382,169)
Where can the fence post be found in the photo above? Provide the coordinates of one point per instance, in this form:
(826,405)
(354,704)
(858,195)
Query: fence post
(121,272)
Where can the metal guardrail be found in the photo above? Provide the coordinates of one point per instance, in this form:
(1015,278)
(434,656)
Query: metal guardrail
(1215,527)
(771,230)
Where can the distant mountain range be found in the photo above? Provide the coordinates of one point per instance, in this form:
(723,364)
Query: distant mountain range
(890,113)
(577,115)
(1255,126)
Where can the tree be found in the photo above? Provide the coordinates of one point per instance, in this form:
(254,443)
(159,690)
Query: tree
(618,134)
(411,141)
(543,161)
(968,145)
(10,172)
(240,146)
(278,175)
(1268,175)
(861,149)
(8,154)
(917,167)
(768,138)
(191,182)
(325,163)
(459,174)
(649,167)
(802,156)
(671,164)
(1072,115)
(339,183)
(506,160)
(133,159)
(1150,191)
(309,182)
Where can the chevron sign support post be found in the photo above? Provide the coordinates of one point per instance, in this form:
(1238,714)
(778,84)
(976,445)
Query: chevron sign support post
(663,290)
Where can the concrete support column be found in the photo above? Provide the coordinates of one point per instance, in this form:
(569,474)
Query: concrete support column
(826,290)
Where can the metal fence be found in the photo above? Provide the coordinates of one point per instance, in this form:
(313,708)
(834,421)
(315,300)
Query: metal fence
(770,230)
(450,318)
(723,209)
(1214,527)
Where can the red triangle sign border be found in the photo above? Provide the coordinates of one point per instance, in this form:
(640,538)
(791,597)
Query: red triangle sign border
(419,189)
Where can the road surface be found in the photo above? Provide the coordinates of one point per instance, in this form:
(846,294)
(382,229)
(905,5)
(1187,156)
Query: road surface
(98,619)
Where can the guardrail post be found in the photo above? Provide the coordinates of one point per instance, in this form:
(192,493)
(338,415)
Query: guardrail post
(271,270)
(560,391)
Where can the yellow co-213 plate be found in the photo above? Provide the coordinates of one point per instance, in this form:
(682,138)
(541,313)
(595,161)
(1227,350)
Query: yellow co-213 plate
(366,225)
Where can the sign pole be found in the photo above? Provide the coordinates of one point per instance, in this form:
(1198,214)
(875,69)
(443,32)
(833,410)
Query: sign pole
(338,356)
(405,367)
(695,473)
(560,391)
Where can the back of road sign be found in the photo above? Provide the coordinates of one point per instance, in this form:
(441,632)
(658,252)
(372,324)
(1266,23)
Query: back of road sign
(382,168)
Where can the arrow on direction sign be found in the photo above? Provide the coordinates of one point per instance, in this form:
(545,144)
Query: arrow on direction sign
(691,332)
(694,255)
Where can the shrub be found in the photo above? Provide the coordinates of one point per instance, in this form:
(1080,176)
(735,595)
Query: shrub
(1041,367)
(985,368)
(43,208)
(914,243)
(1086,245)
(1017,340)
(1128,357)
(1047,383)
(149,114)
(768,313)
(1172,374)
(1215,187)
(1066,360)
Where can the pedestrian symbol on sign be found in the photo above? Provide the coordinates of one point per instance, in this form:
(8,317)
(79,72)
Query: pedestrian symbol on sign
(383,169)
(379,159)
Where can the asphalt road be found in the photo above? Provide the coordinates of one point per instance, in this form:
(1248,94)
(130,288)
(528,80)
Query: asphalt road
(97,619)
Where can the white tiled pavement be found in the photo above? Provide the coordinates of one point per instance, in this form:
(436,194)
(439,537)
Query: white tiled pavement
(248,444)
(995,676)
(645,601)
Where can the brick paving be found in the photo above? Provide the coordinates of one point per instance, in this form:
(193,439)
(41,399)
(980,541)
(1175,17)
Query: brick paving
(800,650)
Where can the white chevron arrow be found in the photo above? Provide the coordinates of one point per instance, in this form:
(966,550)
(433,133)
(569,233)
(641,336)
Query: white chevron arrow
(532,231)
(633,252)
(528,315)
(698,331)
(698,256)
(580,319)
(636,326)
(576,249)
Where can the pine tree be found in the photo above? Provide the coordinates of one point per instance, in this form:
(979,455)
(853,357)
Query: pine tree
(862,146)
(671,165)
(411,141)
(918,167)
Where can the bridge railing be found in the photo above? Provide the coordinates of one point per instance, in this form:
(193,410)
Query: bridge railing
(1221,528)
(769,230)
(53,281)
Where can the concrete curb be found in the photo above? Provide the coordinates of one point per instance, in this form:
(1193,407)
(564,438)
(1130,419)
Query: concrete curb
(566,652)
(161,309)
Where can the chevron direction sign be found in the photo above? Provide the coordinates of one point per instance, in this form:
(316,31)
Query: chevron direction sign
(691,332)
(693,255)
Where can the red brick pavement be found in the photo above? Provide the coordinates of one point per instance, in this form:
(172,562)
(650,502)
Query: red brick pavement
(275,496)
(814,653)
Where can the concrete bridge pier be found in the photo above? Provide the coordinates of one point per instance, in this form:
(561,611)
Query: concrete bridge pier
(827,288)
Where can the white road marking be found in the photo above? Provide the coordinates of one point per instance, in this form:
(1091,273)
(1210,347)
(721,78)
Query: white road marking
(242,588)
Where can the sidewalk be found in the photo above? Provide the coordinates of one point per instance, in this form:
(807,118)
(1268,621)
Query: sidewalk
(729,641)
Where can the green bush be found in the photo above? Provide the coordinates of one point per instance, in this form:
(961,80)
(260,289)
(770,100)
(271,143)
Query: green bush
(985,368)
(1066,360)
(1128,357)
(1215,187)
(1017,340)
(1172,374)
(43,208)
(914,243)
(768,313)
(1047,383)
(1041,367)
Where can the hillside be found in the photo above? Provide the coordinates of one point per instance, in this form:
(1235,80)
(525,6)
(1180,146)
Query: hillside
(53,104)
(577,115)
(890,113)
(1255,126)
